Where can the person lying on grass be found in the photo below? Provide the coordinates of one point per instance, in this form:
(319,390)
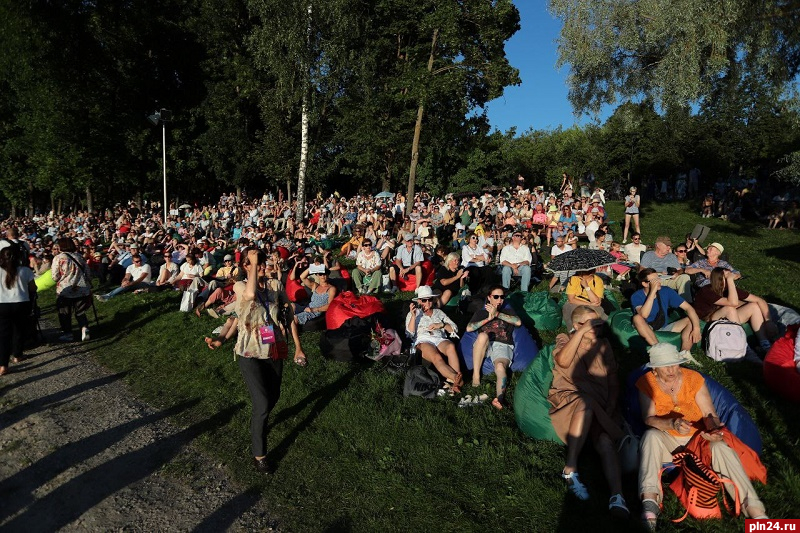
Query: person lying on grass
(495,339)
(583,397)
(429,328)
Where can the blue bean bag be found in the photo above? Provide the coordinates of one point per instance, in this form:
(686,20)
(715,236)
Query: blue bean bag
(729,410)
(525,351)
(531,408)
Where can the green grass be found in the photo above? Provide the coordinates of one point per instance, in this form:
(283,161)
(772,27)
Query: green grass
(353,455)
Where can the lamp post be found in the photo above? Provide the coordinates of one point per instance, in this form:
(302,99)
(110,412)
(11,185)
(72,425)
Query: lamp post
(162,117)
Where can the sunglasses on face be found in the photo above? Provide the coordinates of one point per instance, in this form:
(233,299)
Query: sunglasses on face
(497,296)
(680,251)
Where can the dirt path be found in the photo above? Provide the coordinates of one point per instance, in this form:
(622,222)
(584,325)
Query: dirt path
(78,452)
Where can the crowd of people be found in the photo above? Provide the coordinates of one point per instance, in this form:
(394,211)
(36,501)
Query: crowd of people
(272,275)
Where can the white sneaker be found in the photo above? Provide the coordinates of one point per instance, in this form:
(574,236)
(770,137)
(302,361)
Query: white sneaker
(575,486)
(85,334)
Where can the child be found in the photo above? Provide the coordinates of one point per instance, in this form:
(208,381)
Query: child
(621,269)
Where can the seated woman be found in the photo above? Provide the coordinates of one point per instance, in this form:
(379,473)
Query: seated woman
(429,328)
(583,397)
(586,289)
(475,258)
(449,277)
(539,220)
(722,299)
(676,405)
(188,272)
(352,245)
(568,218)
(620,268)
(322,294)
(367,274)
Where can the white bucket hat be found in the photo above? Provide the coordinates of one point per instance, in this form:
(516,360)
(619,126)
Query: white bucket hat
(424,292)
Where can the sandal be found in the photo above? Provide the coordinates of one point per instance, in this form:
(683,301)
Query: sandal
(300,360)
(650,512)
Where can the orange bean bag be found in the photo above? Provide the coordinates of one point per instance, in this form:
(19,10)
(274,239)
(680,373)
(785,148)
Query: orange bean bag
(780,372)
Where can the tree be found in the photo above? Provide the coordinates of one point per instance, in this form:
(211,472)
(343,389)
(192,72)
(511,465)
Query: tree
(674,51)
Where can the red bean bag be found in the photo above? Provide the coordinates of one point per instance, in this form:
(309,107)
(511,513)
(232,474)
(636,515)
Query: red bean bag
(780,372)
(283,252)
(410,282)
(296,291)
(347,305)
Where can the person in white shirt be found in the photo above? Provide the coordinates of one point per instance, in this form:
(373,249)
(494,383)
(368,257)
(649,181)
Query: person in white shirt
(17,290)
(635,248)
(559,248)
(137,276)
(515,260)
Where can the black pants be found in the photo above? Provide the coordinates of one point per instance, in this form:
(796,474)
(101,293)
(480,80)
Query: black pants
(66,306)
(263,380)
(14,319)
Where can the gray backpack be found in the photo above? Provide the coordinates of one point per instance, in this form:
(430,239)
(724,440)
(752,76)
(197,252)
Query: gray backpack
(421,381)
(725,340)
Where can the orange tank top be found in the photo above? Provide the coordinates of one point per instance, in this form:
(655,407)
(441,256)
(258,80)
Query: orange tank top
(686,407)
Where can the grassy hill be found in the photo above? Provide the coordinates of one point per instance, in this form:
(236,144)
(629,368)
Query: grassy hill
(353,455)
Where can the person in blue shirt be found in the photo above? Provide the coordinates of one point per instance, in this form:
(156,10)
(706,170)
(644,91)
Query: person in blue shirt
(651,306)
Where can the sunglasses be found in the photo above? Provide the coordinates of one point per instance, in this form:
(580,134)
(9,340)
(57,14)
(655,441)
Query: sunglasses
(367,245)
(497,296)
(517,235)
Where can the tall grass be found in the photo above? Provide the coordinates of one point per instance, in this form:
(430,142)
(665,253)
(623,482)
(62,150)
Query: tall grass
(352,454)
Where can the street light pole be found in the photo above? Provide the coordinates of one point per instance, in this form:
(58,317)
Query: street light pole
(164,158)
(162,117)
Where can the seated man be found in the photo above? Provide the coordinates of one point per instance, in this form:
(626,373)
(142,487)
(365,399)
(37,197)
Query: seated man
(666,264)
(635,248)
(651,306)
(701,269)
(516,260)
(137,276)
(408,259)
(495,339)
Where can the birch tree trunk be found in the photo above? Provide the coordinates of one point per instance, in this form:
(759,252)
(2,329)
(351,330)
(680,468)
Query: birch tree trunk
(301,173)
(412,172)
(89,200)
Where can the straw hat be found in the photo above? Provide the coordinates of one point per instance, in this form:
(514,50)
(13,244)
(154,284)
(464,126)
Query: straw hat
(665,354)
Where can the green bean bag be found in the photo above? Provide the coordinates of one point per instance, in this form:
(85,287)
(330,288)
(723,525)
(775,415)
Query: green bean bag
(536,309)
(45,281)
(628,337)
(531,408)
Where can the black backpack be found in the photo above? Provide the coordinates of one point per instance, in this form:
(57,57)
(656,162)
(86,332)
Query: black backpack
(349,341)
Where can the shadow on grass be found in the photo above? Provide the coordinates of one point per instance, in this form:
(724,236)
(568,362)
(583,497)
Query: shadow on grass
(86,490)
(785,253)
(320,400)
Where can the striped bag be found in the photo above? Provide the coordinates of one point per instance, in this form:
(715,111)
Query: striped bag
(697,488)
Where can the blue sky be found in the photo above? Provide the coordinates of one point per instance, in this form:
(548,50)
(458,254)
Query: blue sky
(540,102)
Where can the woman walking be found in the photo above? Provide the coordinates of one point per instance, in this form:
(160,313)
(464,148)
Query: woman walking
(73,289)
(260,348)
(17,288)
